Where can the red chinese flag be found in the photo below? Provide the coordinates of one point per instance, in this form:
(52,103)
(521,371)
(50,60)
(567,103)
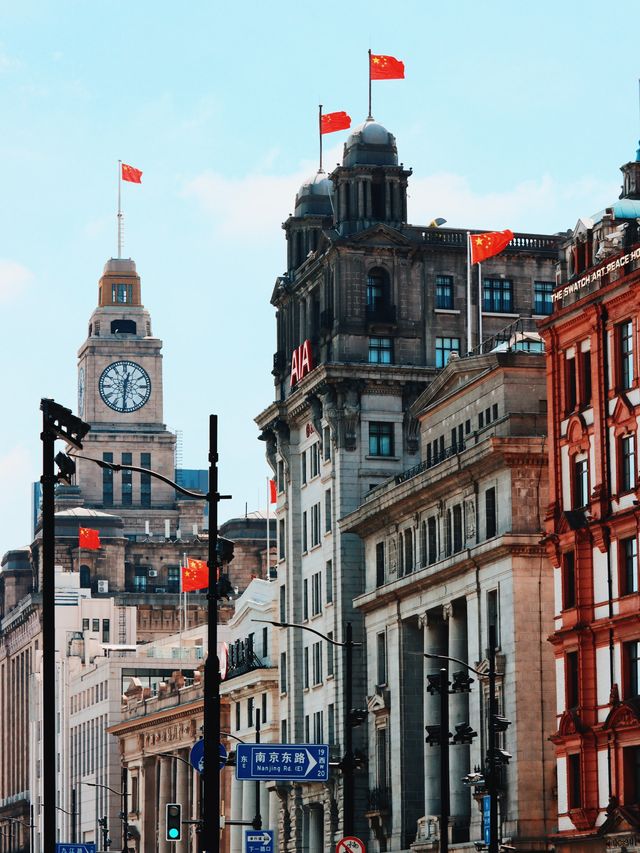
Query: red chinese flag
(273,496)
(195,575)
(129,173)
(331,122)
(88,539)
(489,244)
(385,68)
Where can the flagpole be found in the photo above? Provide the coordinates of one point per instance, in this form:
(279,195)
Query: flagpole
(268,531)
(119,209)
(320,133)
(480,305)
(468,292)
(370,116)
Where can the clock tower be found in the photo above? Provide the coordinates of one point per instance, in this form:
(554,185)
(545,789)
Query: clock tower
(120,395)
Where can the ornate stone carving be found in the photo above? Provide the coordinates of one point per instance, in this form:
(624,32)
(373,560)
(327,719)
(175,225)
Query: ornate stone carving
(470,517)
(447,611)
(342,410)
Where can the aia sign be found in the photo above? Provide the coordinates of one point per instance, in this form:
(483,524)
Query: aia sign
(301,363)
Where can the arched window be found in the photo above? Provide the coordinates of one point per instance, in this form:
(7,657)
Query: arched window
(377,290)
(85,577)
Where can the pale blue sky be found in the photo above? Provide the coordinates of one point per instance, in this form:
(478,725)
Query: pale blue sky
(511,115)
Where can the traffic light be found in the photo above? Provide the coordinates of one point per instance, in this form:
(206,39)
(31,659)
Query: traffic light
(500,724)
(461,682)
(498,757)
(224,551)
(173,822)
(464,733)
(357,716)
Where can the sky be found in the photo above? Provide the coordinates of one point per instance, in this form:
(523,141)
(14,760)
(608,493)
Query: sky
(511,115)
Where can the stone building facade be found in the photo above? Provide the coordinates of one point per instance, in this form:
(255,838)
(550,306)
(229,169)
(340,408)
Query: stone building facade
(452,546)
(369,310)
(593,381)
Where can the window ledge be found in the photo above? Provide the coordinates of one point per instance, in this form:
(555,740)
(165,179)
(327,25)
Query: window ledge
(499,314)
(386,458)
(446,310)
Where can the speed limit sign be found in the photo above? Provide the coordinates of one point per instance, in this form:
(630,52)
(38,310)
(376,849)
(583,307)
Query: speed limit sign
(350,844)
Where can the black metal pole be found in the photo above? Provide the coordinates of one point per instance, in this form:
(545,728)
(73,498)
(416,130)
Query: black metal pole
(444,760)
(125,809)
(257,821)
(74,815)
(347,763)
(492,781)
(211,775)
(49,787)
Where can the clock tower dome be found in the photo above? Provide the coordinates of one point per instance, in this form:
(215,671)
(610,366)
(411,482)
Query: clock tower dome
(120,395)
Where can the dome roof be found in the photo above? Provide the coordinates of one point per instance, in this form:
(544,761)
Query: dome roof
(312,199)
(370,144)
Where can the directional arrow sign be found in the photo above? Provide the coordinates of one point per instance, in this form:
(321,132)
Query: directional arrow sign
(258,842)
(196,756)
(308,762)
(70,847)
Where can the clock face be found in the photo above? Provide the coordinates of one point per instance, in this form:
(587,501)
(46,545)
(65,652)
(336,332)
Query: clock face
(81,392)
(125,386)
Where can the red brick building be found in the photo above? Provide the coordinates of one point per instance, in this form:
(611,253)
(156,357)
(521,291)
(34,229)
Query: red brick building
(593,381)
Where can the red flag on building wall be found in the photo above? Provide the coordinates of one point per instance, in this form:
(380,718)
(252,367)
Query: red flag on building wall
(195,575)
(88,539)
(385,68)
(130,173)
(489,244)
(331,122)
(273,495)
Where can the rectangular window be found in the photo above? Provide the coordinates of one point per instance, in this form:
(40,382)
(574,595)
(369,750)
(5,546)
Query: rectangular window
(457,528)
(85,624)
(381,648)
(382,772)
(280,478)
(494,410)
(570,386)
(140,579)
(629,561)
(95,625)
(314,459)
(107,481)
(572,680)
(284,733)
(263,715)
(307,729)
(408,551)
(380,350)
(317,663)
(568,580)
(432,539)
(444,348)
(481,420)
(315,525)
(126,479)
(380,438)
(627,445)
(493,614)
(106,631)
(380,564)
(265,642)
(303,466)
(326,444)
(281,540)
(250,712)
(574,793)
(497,295)
(145,481)
(328,520)
(283,603)
(632,665)
(331,724)
(238,721)
(444,291)
(121,293)
(490,512)
(631,765)
(318,733)
(283,672)
(305,533)
(173,578)
(330,654)
(316,594)
(625,351)
(580,483)
(542,291)
(585,379)
(423,544)
(305,599)
(305,656)
(328,581)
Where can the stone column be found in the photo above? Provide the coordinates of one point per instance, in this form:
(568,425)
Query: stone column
(164,797)
(274,817)
(182,796)
(264,806)
(236,814)
(148,798)
(367,188)
(316,835)
(248,800)
(387,199)
(458,713)
(360,199)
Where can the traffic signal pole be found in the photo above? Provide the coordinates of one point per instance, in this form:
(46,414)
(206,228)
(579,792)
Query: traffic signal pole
(492,781)
(445,795)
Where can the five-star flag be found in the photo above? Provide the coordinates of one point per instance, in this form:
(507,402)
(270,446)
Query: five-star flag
(385,68)
(130,173)
(330,122)
(489,244)
(273,492)
(195,575)
(88,539)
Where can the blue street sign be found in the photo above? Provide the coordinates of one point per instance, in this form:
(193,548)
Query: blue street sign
(272,761)
(258,841)
(64,847)
(196,756)
(486,820)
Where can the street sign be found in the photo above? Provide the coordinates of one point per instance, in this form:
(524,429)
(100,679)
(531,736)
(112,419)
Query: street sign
(350,844)
(486,819)
(196,756)
(64,847)
(273,761)
(258,841)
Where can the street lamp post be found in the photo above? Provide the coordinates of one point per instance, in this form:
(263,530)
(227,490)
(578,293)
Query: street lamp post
(352,717)
(124,814)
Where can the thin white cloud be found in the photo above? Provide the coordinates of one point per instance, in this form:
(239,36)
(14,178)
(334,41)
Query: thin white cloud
(14,280)
(17,468)
(7,62)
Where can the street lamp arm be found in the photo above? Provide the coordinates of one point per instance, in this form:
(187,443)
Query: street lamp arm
(116,466)
(97,785)
(305,628)
(457,660)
